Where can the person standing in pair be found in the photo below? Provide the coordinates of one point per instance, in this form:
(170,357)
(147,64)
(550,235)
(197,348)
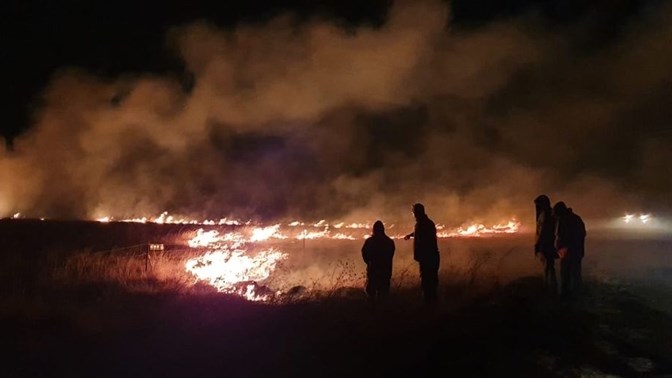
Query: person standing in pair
(426,252)
(570,237)
(544,245)
(377,252)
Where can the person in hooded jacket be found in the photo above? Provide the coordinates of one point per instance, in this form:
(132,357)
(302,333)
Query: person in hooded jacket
(570,237)
(544,245)
(378,252)
(426,252)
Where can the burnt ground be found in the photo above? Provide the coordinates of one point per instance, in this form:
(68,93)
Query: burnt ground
(513,330)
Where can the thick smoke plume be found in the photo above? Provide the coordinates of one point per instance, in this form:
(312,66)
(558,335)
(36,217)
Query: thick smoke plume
(308,120)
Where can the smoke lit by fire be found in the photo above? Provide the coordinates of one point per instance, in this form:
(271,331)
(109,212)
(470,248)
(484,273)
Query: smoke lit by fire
(290,119)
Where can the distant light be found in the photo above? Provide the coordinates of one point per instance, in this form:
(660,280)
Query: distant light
(16,216)
(640,219)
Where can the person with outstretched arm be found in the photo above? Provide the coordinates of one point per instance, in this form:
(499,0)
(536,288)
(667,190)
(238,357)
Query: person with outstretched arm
(426,252)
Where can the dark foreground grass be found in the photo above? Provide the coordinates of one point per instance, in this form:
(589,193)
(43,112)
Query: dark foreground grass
(91,314)
(511,330)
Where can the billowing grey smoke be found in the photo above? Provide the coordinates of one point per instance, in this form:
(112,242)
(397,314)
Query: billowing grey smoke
(308,120)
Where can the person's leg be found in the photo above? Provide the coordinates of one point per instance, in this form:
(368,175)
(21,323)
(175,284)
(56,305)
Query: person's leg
(544,263)
(384,289)
(550,279)
(565,276)
(370,287)
(423,278)
(577,279)
(426,280)
(433,284)
(430,280)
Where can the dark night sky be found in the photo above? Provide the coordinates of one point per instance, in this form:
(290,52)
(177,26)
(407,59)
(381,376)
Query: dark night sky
(282,108)
(111,38)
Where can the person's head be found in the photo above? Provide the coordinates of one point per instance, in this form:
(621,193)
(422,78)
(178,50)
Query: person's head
(378,228)
(542,201)
(418,210)
(559,209)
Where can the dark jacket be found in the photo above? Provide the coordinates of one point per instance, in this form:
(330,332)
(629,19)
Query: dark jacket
(378,251)
(545,236)
(425,245)
(570,233)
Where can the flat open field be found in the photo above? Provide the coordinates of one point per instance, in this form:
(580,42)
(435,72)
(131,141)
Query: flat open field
(80,299)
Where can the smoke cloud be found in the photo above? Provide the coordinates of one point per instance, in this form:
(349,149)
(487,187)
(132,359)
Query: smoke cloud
(309,120)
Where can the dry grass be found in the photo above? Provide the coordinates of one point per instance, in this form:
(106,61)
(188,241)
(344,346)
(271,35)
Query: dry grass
(111,273)
(134,272)
(120,300)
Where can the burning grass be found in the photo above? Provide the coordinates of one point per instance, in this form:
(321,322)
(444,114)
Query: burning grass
(116,313)
(257,267)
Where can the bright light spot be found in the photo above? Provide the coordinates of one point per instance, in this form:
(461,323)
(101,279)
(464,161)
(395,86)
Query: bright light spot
(265,233)
(305,234)
(476,230)
(233,271)
(229,267)
(16,216)
(343,236)
(205,238)
(632,219)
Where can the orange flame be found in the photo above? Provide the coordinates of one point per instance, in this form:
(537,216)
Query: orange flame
(476,230)
(228,267)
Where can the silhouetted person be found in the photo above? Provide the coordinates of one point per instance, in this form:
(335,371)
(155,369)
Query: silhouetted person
(377,252)
(426,252)
(570,237)
(544,244)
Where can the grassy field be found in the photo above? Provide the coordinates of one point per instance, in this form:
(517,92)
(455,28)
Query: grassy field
(76,303)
